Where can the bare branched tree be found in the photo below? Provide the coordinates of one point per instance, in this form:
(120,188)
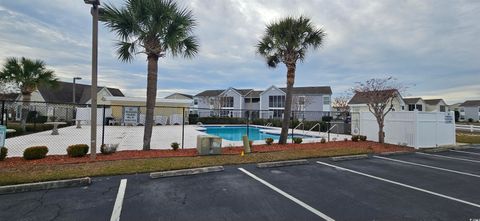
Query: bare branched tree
(379,94)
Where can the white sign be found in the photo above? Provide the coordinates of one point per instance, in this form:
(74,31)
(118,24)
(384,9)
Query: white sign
(130,115)
(448,119)
(3,133)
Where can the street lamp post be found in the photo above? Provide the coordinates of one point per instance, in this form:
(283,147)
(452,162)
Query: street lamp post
(93,94)
(74,94)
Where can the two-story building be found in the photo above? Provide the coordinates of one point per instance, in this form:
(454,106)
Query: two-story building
(307,102)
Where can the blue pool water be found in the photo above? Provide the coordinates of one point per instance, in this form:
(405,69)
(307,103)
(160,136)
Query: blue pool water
(235,133)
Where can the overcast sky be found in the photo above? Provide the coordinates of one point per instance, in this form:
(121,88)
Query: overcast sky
(431,46)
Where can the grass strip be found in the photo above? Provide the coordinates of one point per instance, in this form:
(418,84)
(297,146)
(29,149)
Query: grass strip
(38,173)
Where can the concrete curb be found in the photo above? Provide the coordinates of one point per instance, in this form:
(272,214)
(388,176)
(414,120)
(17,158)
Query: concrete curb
(282,163)
(186,172)
(395,153)
(436,150)
(45,185)
(349,157)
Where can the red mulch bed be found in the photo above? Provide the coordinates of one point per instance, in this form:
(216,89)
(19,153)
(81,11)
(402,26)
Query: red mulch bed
(139,154)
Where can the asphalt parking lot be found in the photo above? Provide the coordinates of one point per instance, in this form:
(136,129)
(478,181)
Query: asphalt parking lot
(437,186)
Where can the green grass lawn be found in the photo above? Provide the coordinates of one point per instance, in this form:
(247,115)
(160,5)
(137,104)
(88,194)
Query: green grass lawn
(37,173)
(471,138)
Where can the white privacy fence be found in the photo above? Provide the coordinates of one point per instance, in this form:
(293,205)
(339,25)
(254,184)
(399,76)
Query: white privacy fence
(411,128)
(83,114)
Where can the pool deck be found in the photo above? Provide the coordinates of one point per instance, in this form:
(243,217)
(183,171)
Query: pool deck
(131,138)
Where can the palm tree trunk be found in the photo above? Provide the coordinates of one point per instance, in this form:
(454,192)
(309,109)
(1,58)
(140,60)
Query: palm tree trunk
(151,99)
(288,103)
(25,104)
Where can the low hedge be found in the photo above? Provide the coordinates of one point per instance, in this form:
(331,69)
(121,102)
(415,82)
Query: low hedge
(297,140)
(3,153)
(77,150)
(36,152)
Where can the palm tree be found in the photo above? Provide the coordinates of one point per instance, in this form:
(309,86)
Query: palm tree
(27,75)
(154,28)
(287,41)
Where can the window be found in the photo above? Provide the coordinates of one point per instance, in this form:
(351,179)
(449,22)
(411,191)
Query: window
(419,107)
(255,100)
(411,107)
(326,100)
(277,113)
(403,107)
(276,101)
(227,101)
(247,100)
(442,108)
(462,110)
(195,101)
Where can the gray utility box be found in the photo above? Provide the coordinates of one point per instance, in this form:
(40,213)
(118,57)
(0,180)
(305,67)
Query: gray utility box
(209,145)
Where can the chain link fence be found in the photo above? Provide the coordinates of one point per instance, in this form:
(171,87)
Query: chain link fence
(33,123)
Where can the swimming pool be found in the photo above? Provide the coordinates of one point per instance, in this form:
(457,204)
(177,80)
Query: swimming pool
(235,133)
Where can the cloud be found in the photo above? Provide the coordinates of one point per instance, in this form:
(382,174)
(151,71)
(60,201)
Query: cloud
(430,45)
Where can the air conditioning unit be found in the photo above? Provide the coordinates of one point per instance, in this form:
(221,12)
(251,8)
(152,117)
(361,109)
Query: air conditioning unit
(209,145)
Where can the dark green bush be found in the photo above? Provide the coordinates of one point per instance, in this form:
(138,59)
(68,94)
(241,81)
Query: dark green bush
(175,145)
(36,152)
(355,138)
(363,138)
(297,140)
(327,118)
(77,150)
(269,141)
(323,140)
(3,153)
(470,120)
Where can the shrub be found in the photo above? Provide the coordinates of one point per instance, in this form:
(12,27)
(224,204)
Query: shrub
(345,139)
(36,152)
(250,142)
(362,138)
(269,141)
(323,140)
(77,150)
(3,153)
(470,120)
(355,138)
(174,145)
(297,140)
(327,118)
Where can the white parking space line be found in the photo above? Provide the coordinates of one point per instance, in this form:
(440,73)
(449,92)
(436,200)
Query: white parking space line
(459,151)
(447,157)
(288,196)
(402,184)
(428,166)
(117,207)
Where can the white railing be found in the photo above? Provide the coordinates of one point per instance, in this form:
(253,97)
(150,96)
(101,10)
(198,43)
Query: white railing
(470,128)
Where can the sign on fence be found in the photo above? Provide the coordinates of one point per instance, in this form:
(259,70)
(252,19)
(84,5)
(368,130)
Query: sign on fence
(130,115)
(3,134)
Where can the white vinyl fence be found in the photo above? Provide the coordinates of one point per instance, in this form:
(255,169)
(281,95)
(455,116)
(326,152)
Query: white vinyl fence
(411,128)
(83,114)
(470,128)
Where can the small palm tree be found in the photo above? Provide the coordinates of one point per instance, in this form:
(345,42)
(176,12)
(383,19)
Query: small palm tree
(287,41)
(27,75)
(154,28)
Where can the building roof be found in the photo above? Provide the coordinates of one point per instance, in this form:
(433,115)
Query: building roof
(411,100)
(310,90)
(363,97)
(9,96)
(63,92)
(209,93)
(470,103)
(243,92)
(185,95)
(433,101)
(254,94)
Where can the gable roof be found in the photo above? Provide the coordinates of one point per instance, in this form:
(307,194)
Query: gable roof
(185,95)
(63,92)
(209,93)
(433,101)
(412,100)
(363,97)
(254,94)
(310,90)
(9,96)
(470,103)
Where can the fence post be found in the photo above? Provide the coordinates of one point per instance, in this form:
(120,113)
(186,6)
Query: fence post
(328,131)
(471,128)
(3,112)
(248,123)
(103,126)
(291,124)
(35,118)
(183,127)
